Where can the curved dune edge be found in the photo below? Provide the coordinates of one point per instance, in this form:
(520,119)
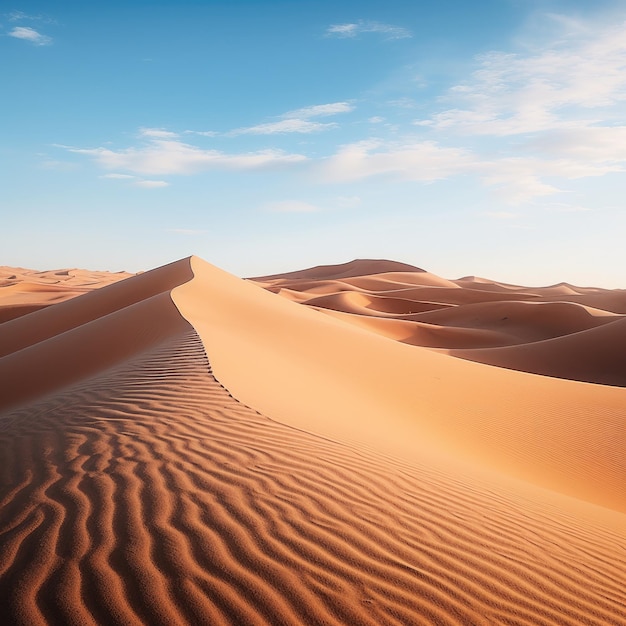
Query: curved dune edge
(595,355)
(474,319)
(324,376)
(56,346)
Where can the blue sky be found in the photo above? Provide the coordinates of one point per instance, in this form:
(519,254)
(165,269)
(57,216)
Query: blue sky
(484,138)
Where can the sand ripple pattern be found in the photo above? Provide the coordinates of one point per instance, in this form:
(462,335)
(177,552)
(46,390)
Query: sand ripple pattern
(148,495)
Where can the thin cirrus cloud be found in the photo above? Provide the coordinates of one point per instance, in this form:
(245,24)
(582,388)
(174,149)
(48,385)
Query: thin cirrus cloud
(352,30)
(299,120)
(162,153)
(554,112)
(116,176)
(559,85)
(424,161)
(320,110)
(31,35)
(285,126)
(151,184)
(146,184)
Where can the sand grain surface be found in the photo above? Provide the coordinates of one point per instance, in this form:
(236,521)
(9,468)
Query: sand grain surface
(184,447)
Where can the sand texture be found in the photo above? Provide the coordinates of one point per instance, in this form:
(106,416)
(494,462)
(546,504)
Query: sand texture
(186,447)
(24,291)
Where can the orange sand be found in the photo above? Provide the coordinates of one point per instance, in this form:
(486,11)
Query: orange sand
(185,447)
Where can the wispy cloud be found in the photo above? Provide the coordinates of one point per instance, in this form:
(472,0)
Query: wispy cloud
(31,35)
(284,126)
(559,85)
(151,184)
(202,133)
(299,121)
(161,154)
(141,182)
(159,133)
(20,16)
(351,30)
(115,176)
(552,112)
(320,110)
(418,160)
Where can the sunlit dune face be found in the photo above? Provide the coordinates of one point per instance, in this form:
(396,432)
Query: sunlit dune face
(186,447)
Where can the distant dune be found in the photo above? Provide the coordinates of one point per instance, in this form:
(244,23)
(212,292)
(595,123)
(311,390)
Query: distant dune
(564,331)
(327,446)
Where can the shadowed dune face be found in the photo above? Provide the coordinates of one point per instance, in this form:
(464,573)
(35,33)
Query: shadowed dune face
(184,447)
(562,330)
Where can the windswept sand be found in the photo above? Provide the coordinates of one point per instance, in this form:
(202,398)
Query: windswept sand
(185,447)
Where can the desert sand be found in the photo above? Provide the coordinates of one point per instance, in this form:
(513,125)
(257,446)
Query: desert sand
(365,443)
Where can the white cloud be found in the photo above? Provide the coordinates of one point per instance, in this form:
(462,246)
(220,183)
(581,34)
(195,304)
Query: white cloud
(115,176)
(545,115)
(342,30)
(147,184)
(202,133)
(159,133)
(418,161)
(591,144)
(558,85)
(376,119)
(320,110)
(163,156)
(298,121)
(151,184)
(518,180)
(20,16)
(284,126)
(30,34)
(515,181)
(352,30)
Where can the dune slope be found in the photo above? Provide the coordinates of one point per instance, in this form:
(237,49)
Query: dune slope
(474,318)
(143,490)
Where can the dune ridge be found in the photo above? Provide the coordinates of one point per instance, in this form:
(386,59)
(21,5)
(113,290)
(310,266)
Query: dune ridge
(488,416)
(476,319)
(231,457)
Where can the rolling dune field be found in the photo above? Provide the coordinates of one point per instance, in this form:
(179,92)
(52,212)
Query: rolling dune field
(365,443)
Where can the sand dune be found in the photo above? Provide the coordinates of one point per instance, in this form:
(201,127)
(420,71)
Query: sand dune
(185,447)
(480,320)
(595,355)
(24,291)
